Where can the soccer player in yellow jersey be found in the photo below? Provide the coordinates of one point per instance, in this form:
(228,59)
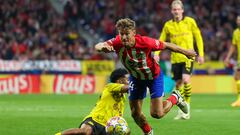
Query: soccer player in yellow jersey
(182,30)
(235,46)
(110,103)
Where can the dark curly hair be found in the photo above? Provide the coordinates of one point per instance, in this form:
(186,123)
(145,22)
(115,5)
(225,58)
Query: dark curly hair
(117,73)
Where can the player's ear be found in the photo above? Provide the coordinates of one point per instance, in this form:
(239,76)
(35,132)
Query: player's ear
(118,31)
(134,31)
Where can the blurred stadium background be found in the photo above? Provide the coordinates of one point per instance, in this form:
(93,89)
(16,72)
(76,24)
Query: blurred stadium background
(48,64)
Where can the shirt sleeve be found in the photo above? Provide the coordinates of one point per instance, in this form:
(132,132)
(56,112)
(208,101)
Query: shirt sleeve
(114,41)
(234,38)
(198,37)
(154,44)
(115,87)
(162,37)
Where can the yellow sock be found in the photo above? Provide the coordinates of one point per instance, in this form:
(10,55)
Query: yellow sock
(187,92)
(58,133)
(238,89)
(181,90)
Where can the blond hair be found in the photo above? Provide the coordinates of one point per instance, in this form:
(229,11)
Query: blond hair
(177,2)
(125,24)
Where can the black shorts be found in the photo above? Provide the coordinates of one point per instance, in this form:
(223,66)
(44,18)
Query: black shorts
(181,68)
(98,129)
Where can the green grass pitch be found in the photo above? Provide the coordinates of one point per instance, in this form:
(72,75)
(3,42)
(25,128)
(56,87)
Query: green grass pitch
(48,114)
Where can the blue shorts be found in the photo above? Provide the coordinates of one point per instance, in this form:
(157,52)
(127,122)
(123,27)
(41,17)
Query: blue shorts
(138,88)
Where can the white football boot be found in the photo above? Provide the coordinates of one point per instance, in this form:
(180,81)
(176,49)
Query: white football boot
(182,115)
(181,103)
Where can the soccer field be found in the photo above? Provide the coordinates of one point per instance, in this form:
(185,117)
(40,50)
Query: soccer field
(48,114)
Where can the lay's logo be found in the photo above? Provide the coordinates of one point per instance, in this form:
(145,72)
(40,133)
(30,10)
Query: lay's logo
(15,84)
(74,84)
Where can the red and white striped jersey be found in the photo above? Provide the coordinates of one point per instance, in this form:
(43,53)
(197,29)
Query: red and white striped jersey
(138,60)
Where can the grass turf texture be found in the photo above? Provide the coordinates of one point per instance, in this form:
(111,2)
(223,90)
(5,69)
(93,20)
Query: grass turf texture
(48,114)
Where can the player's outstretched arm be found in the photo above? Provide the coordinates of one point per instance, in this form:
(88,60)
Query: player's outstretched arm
(104,47)
(124,89)
(175,48)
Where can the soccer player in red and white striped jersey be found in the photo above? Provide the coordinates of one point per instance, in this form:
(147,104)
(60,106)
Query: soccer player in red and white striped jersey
(135,53)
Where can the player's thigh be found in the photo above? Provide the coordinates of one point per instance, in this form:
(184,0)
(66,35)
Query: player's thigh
(156,105)
(156,86)
(187,72)
(137,88)
(177,70)
(91,127)
(136,106)
(86,129)
(187,68)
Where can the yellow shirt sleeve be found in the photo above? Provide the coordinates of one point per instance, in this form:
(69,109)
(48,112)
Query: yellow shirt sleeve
(236,41)
(234,38)
(115,87)
(163,37)
(198,37)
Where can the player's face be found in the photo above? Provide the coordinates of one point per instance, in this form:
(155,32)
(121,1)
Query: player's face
(124,80)
(177,12)
(238,21)
(127,37)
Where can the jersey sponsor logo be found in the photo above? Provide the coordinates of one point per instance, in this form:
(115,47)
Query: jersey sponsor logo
(180,35)
(157,43)
(117,96)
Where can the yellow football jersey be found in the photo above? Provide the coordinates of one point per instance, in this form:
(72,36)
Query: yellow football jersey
(182,33)
(236,41)
(110,103)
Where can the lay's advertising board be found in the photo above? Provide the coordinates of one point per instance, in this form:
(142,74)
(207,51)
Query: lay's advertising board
(89,84)
(48,84)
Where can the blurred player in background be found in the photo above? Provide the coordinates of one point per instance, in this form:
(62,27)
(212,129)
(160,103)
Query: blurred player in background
(235,46)
(182,30)
(110,103)
(135,51)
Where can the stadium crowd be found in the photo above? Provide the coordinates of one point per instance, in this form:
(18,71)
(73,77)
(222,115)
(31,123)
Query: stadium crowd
(32,29)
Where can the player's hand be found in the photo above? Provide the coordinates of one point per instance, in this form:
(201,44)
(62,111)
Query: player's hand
(200,60)
(156,58)
(107,48)
(226,61)
(191,54)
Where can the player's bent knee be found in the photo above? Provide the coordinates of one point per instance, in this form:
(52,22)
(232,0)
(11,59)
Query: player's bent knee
(136,114)
(157,115)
